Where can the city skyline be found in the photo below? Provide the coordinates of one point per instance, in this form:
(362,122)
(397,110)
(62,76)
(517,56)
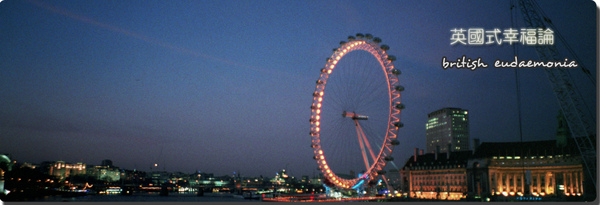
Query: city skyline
(227,86)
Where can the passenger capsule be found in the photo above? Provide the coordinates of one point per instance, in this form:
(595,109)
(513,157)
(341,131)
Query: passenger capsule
(323,70)
(388,158)
(399,124)
(342,43)
(319,82)
(396,72)
(399,88)
(360,35)
(391,58)
(350,38)
(328,60)
(395,142)
(385,47)
(400,106)
(377,40)
(381,172)
(369,36)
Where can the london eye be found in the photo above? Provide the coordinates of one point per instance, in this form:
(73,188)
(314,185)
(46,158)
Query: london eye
(355,113)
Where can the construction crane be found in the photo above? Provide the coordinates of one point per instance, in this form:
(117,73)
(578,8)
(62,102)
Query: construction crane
(577,115)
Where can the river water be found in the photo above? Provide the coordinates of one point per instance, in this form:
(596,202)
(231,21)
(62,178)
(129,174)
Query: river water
(150,197)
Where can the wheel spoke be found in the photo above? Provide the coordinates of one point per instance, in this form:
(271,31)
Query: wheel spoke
(360,84)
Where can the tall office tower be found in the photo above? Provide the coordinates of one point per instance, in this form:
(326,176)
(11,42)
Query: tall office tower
(447,128)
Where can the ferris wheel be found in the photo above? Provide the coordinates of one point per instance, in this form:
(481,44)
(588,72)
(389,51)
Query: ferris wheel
(354,123)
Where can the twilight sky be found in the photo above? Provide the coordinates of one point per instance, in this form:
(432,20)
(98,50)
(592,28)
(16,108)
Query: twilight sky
(223,86)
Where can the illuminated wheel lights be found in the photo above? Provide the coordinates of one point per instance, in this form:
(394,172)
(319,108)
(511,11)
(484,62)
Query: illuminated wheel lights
(370,44)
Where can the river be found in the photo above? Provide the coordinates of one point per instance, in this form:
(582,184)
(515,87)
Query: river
(150,197)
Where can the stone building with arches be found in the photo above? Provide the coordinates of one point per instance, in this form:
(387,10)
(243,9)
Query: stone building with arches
(436,176)
(498,170)
(535,168)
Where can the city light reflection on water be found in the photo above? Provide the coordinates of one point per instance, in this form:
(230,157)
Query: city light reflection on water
(148,197)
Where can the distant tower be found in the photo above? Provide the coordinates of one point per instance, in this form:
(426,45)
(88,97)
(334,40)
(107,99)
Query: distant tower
(107,163)
(562,130)
(447,126)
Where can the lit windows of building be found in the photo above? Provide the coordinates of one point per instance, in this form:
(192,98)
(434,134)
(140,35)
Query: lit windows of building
(537,168)
(64,170)
(105,172)
(447,126)
(439,176)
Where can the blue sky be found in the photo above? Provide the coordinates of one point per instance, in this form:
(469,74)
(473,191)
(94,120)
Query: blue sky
(223,86)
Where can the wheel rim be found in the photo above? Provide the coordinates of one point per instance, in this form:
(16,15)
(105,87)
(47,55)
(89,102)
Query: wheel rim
(393,107)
